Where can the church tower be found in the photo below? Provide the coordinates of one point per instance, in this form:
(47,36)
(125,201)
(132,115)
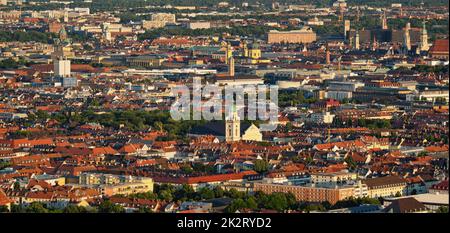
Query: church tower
(374,43)
(228,52)
(245,49)
(233,127)
(231,66)
(106,32)
(407,38)
(384,25)
(357,40)
(424,38)
(327,55)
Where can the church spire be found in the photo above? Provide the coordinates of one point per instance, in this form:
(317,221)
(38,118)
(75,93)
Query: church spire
(424,38)
(384,25)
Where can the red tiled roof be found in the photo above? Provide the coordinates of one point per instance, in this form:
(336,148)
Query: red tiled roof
(441,186)
(4,200)
(440,46)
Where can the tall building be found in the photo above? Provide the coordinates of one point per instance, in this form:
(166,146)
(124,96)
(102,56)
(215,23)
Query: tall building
(407,38)
(228,52)
(424,38)
(328,60)
(358,14)
(374,44)
(233,127)
(346,28)
(62,48)
(106,32)
(254,51)
(384,25)
(62,67)
(66,17)
(245,49)
(356,44)
(231,66)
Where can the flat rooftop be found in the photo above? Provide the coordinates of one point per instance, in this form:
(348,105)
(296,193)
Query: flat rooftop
(427,198)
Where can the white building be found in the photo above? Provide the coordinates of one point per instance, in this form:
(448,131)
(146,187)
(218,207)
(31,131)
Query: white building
(199,25)
(320,118)
(62,68)
(339,95)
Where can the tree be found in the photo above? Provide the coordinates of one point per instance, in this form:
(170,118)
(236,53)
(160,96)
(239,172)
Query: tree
(422,154)
(75,209)
(309,160)
(233,193)
(251,203)
(159,125)
(277,201)
(42,115)
(186,192)
(3,209)
(218,192)
(235,205)
(206,193)
(261,166)
(352,202)
(17,208)
(4,165)
(16,186)
(166,195)
(145,209)
(442,209)
(350,162)
(36,207)
(109,207)
(186,169)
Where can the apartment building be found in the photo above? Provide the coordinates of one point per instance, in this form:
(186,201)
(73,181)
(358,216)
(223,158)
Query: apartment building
(387,186)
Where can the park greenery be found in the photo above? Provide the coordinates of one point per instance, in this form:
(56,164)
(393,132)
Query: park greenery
(11,63)
(27,36)
(369,123)
(293,98)
(241,200)
(431,69)
(134,120)
(250,31)
(4,164)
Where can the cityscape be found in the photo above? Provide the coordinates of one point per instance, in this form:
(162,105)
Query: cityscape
(123,106)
